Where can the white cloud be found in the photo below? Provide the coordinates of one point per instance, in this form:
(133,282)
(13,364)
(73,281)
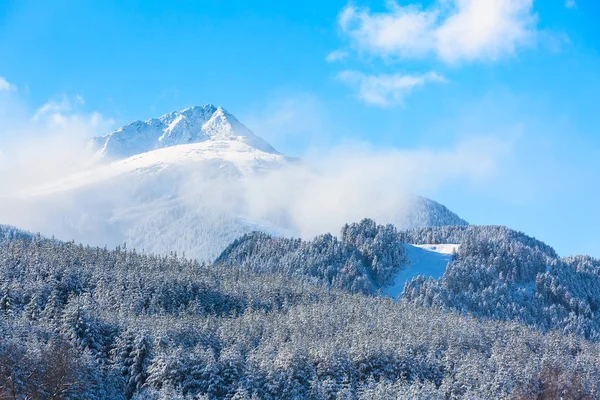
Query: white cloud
(44,143)
(386,89)
(63,116)
(570,4)
(337,55)
(52,107)
(451,30)
(352,182)
(6,85)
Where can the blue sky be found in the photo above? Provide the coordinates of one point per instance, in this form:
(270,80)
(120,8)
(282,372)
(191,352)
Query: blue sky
(310,76)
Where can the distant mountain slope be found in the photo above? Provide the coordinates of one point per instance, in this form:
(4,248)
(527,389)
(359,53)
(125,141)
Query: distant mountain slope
(425,212)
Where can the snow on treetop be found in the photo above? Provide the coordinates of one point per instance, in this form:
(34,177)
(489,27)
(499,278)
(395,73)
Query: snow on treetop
(191,125)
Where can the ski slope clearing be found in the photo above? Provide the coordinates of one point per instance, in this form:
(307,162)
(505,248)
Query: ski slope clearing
(428,259)
(437,248)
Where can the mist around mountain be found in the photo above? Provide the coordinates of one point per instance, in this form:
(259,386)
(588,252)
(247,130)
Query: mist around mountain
(194,180)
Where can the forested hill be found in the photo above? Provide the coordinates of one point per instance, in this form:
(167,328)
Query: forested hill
(502,274)
(88,323)
(473,233)
(496,273)
(365,258)
(8,232)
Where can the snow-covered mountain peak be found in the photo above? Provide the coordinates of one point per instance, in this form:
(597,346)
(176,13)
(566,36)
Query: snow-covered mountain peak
(191,125)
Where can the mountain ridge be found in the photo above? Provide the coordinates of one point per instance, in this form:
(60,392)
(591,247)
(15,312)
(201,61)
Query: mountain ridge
(194,124)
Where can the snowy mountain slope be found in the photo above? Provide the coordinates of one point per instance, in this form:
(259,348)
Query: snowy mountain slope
(186,198)
(428,260)
(237,156)
(184,182)
(191,125)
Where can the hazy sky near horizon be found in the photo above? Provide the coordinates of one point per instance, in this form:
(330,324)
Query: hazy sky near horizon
(314,76)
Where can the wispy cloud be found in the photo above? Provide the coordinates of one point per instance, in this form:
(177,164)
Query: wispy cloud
(337,55)
(352,182)
(64,113)
(452,30)
(6,85)
(38,144)
(386,90)
(570,4)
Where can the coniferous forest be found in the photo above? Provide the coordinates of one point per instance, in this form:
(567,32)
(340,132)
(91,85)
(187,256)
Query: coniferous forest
(277,318)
